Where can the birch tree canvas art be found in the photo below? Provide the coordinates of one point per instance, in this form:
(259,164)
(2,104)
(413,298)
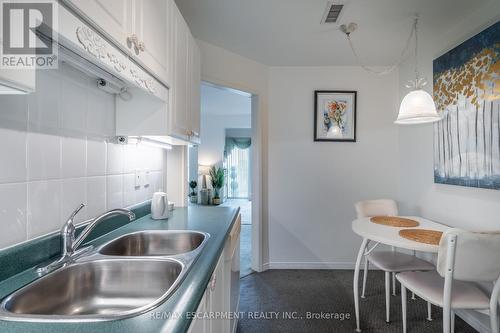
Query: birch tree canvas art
(467,94)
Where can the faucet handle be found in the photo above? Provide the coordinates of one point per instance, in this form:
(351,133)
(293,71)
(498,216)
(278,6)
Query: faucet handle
(68,232)
(76,211)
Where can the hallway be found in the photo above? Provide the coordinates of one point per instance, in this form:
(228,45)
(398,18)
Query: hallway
(246,234)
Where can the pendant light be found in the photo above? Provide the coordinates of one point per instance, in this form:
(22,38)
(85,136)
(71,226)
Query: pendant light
(417,106)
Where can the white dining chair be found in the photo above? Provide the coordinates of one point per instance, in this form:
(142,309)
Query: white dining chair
(464,257)
(390,262)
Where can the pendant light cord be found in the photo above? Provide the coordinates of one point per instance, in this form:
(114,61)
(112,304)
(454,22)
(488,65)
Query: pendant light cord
(415,29)
(401,57)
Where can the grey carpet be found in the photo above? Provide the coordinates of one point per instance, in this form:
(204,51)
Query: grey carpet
(328,291)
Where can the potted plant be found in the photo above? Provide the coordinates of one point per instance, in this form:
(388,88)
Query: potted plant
(217,179)
(193,196)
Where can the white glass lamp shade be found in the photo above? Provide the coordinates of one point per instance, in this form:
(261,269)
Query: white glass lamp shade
(417,107)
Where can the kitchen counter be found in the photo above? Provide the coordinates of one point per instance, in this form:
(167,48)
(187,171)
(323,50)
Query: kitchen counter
(170,316)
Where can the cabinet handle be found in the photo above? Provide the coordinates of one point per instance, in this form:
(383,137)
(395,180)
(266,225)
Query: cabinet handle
(132,41)
(213,283)
(141,46)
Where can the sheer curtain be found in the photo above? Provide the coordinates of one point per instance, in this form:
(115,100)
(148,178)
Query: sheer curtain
(237,164)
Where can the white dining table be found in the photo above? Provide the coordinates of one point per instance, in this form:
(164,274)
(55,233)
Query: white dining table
(388,235)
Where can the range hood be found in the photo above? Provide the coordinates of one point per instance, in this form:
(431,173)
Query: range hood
(80,46)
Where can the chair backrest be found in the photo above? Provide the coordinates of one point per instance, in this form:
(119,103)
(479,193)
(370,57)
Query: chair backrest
(476,255)
(381,207)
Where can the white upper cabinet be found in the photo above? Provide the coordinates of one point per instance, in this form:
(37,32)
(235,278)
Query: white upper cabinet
(139,27)
(185,107)
(179,112)
(194,87)
(114,18)
(155,35)
(150,27)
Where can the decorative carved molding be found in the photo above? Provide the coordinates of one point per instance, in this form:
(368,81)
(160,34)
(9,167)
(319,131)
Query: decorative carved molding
(146,83)
(91,42)
(118,65)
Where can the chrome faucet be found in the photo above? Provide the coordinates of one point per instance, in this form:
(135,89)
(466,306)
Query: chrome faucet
(70,244)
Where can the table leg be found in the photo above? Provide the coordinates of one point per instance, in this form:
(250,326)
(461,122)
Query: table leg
(356,281)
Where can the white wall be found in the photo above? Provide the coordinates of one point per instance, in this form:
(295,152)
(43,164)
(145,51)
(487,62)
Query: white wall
(313,185)
(231,70)
(469,208)
(55,156)
(457,206)
(213,136)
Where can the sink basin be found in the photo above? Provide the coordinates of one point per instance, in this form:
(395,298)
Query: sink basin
(102,289)
(154,243)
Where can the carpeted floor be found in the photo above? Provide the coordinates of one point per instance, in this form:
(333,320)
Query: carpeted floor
(278,293)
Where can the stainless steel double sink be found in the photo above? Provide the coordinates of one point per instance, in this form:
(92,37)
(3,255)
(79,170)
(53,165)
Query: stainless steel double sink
(127,276)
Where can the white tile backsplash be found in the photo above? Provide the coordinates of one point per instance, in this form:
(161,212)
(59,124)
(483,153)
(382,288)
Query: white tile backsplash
(14,112)
(96,196)
(74,157)
(74,106)
(44,207)
(96,158)
(129,190)
(44,107)
(13,200)
(56,155)
(74,193)
(44,156)
(114,191)
(13,151)
(115,165)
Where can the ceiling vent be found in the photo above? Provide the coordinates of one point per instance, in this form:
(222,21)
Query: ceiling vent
(332,12)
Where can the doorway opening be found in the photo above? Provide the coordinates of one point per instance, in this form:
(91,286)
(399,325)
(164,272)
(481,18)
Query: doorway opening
(227,143)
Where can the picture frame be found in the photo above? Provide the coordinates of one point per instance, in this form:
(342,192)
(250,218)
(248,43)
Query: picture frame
(335,115)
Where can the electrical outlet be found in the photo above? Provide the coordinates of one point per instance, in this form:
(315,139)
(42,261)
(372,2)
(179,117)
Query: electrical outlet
(138,178)
(147,178)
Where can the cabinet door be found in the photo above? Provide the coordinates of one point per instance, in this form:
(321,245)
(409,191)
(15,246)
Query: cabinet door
(17,81)
(199,325)
(217,298)
(150,25)
(194,98)
(111,17)
(179,112)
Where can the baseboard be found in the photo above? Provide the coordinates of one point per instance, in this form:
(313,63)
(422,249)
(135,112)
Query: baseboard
(308,265)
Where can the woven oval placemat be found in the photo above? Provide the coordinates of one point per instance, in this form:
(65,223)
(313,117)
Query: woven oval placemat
(426,236)
(394,221)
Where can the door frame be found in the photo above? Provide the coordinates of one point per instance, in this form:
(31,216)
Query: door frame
(256,166)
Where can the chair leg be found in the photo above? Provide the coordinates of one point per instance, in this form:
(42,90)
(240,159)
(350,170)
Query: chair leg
(387,295)
(494,322)
(446,319)
(403,305)
(413,296)
(394,283)
(429,311)
(365,275)
(452,321)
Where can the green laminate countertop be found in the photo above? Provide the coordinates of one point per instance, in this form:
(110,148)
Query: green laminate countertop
(217,221)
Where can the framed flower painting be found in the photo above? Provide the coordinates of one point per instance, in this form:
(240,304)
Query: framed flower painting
(335,115)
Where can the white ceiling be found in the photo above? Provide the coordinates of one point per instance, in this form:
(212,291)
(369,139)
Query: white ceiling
(289,33)
(220,101)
